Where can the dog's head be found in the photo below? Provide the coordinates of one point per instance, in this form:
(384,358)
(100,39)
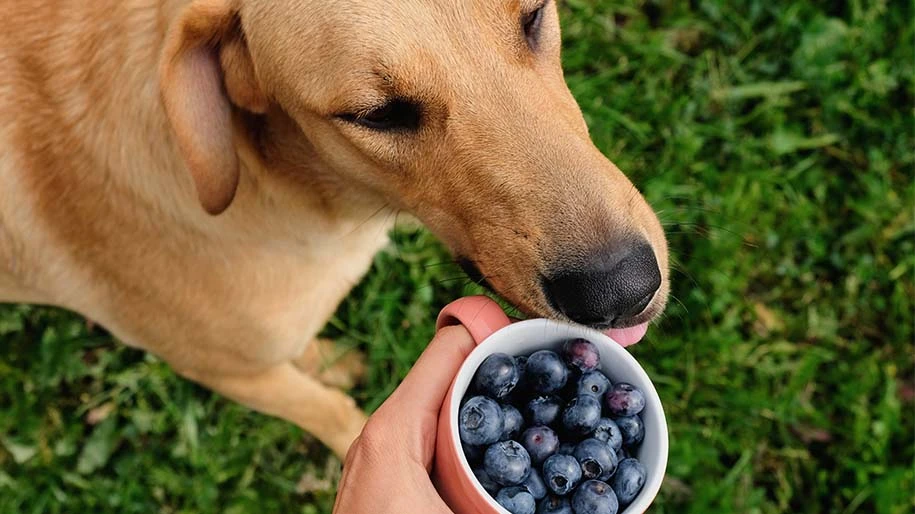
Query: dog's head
(454,110)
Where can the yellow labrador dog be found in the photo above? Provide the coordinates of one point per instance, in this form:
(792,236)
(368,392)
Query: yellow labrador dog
(208,178)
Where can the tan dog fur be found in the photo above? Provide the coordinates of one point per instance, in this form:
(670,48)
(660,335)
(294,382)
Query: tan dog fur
(176,171)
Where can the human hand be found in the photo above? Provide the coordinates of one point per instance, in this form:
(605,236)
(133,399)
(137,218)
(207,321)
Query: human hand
(387,468)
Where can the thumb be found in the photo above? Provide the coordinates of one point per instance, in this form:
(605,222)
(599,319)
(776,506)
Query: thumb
(424,388)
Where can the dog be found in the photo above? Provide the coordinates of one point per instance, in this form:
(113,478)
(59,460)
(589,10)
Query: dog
(207,179)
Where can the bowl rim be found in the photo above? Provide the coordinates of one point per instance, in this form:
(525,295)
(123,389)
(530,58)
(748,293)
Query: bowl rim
(570,331)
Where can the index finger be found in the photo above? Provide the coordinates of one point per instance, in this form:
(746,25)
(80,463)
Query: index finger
(424,388)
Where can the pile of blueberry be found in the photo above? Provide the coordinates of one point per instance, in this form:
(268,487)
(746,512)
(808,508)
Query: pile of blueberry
(548,433)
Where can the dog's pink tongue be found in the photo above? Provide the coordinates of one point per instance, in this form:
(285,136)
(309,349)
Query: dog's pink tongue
(628,336)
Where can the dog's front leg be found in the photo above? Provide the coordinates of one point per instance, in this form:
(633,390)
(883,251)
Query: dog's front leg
(285,391)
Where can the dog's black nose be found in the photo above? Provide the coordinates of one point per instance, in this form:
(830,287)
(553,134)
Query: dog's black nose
(617,282)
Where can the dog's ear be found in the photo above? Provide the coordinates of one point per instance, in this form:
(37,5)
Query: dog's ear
(205,70)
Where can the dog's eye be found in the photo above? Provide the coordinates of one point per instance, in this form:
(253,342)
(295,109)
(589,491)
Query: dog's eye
(396,114)
(530,23)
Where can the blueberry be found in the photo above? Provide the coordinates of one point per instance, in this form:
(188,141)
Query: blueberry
(517,500)
(595,497)
(629,480)
(507,463)
(540,442)
(566,448)
(554,505)
(496,376)
(607,431)
(480,421)
(512,422)
(625,400)
(598,461)
(622,455)
(581,354)
(484,479)
(633,430)
(535,485)
(473,453)
(561,473)
(581,414)
(543,410)
(594,382)
(545,372)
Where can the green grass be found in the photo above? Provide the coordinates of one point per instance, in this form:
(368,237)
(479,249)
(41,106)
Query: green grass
(776,141)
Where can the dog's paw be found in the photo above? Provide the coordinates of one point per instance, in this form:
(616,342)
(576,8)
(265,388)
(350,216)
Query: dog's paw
(348,433)
(333,364)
